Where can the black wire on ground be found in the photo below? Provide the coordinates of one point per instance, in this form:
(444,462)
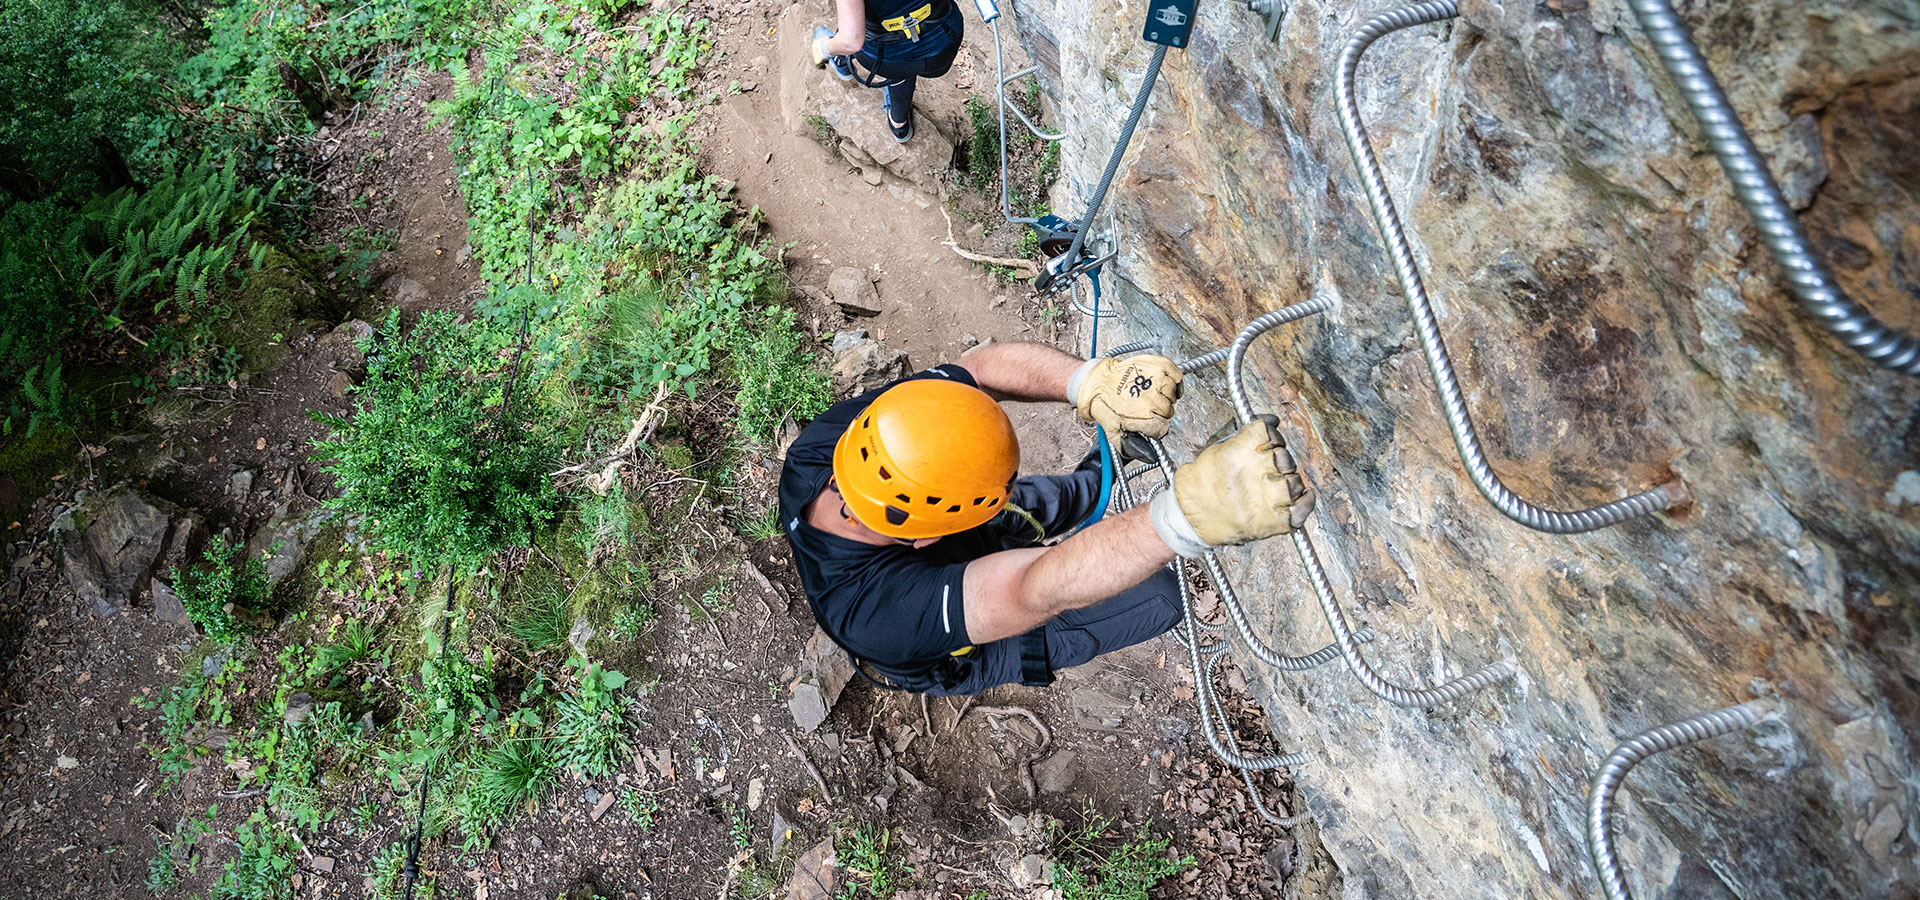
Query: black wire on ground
(412,868)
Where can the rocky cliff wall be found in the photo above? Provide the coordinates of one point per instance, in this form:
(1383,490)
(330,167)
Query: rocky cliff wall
(1616,325)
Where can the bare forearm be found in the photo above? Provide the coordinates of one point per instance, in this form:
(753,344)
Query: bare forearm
(1108,557)
(850,32)
(1021,371)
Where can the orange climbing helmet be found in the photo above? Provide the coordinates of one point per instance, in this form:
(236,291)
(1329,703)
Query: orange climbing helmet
(927,458)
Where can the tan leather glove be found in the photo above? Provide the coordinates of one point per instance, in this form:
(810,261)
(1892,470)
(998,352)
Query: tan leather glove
(1242,489)
(1134,393)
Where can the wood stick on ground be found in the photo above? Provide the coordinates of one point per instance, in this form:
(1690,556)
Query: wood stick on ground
(825,795)
(925,717)
(1024,268)
(1046,738)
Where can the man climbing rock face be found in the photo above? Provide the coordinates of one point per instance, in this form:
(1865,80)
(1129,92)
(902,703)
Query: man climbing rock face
(898,41)
(923,554)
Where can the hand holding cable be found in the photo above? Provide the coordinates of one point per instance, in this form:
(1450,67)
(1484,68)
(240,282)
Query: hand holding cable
(1242,489)
(1132,394)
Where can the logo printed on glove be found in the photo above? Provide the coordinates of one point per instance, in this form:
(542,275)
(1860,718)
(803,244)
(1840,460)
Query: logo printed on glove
(1141,384)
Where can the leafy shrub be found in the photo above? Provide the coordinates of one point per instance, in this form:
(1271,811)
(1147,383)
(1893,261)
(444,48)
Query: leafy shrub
(226,580)
(593,723)
(1088,870)
(78,79)
(778,376)
(264,865)
(983,147)
(442,475)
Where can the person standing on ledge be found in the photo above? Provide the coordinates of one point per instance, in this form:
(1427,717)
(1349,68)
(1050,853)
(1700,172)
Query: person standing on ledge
(922,554)
(896,40)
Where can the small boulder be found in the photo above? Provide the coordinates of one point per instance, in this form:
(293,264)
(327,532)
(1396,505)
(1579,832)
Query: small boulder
(283,541)
(853,291)
(808,705)
(867,365)
(813,874)
(111,545)
(406,291)
(825,664)
(1030,871)
(167,608)
(1055,773)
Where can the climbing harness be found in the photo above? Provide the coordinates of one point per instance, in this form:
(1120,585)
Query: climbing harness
(1439,364)
(1614,771)
(908,24)
(1807,275)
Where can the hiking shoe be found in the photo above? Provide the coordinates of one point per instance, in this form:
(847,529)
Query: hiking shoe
(841,66)
(901,132)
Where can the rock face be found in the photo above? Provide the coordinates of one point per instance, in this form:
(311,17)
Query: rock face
(1615,324)
(112,544)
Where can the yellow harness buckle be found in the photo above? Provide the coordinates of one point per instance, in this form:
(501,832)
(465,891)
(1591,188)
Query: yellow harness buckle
(910,23)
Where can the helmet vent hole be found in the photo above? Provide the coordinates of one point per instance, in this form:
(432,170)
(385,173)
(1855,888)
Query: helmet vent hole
(994,502)
(933,501)
(979,500)
(954,508)
(884,474)
(866,422)
(863,454)
(903,498)
(896,516)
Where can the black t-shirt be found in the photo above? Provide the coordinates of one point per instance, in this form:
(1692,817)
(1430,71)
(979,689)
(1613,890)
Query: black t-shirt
(900,608)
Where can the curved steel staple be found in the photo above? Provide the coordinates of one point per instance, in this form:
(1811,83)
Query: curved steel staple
(1233,744)
(1614,771)
(1439,365)
(1343,634)
(1000,72)
(1807,275)
(1203,692)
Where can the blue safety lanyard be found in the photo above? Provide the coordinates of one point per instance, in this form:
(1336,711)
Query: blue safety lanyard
(1099,433)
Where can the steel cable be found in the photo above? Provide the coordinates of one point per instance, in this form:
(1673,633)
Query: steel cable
(1439,365)
(1614,771)
(1753,183)
(1119,150)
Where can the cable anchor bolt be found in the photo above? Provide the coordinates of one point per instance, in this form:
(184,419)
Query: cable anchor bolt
(1273,11)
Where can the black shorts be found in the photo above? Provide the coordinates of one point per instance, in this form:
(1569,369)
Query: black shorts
(1146,610)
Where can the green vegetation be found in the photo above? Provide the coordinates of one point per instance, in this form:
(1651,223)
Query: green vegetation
(228,580)
(641,806)
(823,131)
(261,870)
(865,858)
(1092,866)
(983,146)
(594,721)
(621,283)
(430,458)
